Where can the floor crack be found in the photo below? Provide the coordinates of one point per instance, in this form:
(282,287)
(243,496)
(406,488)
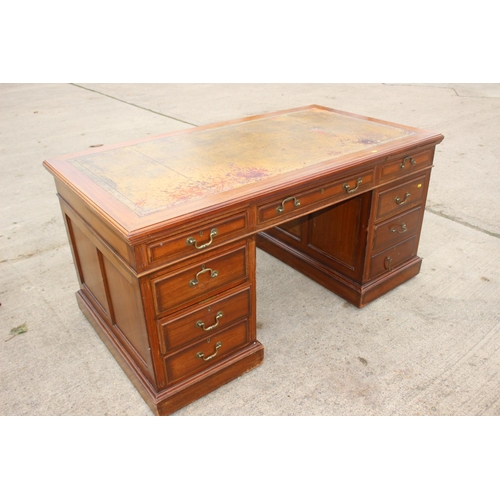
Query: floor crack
(459,221)
(24,256)
(440,87)
(135,105)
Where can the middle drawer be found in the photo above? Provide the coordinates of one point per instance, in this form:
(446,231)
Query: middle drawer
(198,281)
(205,319)
(397,229)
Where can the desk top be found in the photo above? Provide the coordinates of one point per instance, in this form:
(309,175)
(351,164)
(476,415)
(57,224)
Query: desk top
(142,183)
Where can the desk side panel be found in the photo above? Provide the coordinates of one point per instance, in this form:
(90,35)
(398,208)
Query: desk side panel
(112,291)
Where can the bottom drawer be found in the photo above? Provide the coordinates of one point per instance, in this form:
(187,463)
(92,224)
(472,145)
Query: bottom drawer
(207,352)
(387,260)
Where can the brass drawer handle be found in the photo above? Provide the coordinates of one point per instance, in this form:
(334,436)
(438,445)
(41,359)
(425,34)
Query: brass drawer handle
(388,263)
(281,208)
(213,274)
(402,202)
(192,241)
(200,324)
(351,190)
(408,158)
(403,229)
(202,356)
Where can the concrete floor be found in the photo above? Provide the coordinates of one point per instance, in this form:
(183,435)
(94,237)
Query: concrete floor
(430,347)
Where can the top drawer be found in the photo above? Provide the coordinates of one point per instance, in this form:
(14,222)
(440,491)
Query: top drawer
(406,164)
(295,204)
(206,235)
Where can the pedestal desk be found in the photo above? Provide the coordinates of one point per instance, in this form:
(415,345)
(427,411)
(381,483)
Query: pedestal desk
(163,233)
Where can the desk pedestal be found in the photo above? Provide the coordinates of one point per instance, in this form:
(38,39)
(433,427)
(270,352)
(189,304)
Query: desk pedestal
(350,248)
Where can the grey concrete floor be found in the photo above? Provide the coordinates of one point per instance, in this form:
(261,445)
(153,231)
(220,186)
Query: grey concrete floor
(430,347)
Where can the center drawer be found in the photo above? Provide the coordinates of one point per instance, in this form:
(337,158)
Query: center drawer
(293,204)
(198,281)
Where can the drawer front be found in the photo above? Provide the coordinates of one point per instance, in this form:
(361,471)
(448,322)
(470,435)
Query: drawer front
(292,205)
(397,229)
(389,259)
(406,164)
(205,320)
(398,199)
(197,239)
(206,353)
(198,281)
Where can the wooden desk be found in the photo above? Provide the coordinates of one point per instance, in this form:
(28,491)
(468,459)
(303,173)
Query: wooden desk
(163,233)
